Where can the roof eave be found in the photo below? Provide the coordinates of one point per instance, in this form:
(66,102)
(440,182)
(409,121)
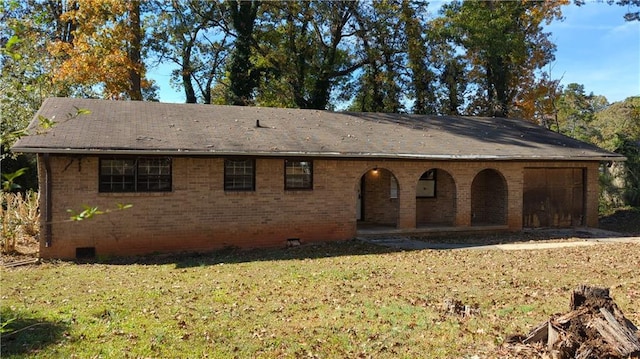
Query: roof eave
(191,152)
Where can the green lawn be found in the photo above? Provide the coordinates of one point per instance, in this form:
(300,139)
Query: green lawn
(331,301)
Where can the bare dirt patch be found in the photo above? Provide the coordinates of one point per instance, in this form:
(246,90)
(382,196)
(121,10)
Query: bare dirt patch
(624,220)
(26,248)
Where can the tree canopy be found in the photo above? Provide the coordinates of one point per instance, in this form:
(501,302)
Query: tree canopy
(470,58)
(380,55)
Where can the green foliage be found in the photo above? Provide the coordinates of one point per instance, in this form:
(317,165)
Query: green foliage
(474,57)
(618,129)
(79,111)
(374,56)
(90,212)
(45,124)
(8,48)
(4,325)
(504,44)
(614,127)
(576,112)
(121,206)
(243,75)
(381,84)
(307,50)
(29,179)
(87,213)
(26,72)
(8,184)
(193,35)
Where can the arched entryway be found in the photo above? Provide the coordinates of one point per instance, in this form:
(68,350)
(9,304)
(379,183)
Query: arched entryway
(378,200)
(435,199)
(488,199)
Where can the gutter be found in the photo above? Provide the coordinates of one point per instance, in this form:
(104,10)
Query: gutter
(365,155)
(47,200)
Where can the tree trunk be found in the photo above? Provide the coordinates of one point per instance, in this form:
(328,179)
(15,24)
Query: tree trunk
(243,77)
(594,328)
(189,92)
(135,76)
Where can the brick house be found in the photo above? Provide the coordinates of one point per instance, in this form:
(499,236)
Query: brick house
(202,177)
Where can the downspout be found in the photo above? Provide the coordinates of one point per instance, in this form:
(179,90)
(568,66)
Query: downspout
(47,200)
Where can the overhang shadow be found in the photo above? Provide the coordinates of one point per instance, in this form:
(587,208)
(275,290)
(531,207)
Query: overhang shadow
(495,130)
(233,255)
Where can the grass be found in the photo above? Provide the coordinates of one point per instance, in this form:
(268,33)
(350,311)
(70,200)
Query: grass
(336,300)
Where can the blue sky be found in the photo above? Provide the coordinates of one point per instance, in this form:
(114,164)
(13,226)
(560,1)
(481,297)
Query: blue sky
(598,49)
(595,48)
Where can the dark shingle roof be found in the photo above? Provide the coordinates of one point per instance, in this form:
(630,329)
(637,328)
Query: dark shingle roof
(160,128)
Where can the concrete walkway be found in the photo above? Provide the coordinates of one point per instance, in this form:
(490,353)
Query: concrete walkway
(580,238)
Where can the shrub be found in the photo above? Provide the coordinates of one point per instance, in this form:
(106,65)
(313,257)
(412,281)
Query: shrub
(20,218)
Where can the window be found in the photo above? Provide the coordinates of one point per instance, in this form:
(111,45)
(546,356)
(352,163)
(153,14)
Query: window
(239,175)
(141,174)
(393,187)
(427,185)
(298,174)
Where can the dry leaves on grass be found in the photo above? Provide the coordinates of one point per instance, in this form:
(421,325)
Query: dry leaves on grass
(338,300)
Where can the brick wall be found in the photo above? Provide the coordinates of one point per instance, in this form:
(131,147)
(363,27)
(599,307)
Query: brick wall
(379,206)
(488,198)
(198,215)
(440,210)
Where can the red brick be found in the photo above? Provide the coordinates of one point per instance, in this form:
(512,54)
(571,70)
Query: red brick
(198,215)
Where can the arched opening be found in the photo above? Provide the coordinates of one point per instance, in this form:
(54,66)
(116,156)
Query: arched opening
(488,199)
(435,199)
(378,200)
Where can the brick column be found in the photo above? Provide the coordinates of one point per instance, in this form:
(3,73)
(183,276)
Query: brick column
(514,174)
(592,194)
(407,207)
(463,201)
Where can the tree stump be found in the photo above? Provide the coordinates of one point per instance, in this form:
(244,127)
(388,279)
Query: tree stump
(594,328)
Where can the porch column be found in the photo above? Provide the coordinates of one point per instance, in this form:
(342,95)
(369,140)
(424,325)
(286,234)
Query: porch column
(592,194)
(463,202)
(515,187)
(407,205)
